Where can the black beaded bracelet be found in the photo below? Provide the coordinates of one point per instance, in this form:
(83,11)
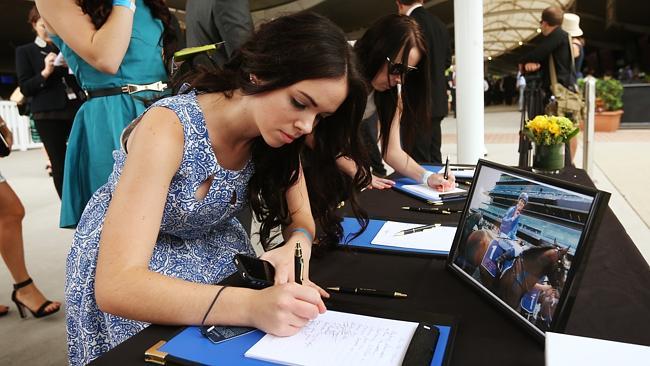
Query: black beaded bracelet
(212,304)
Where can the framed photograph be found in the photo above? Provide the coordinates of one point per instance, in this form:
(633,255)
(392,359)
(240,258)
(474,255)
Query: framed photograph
(522,240)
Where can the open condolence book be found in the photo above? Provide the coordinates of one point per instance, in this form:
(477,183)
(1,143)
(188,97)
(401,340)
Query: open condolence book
(336,338)
(383,236)
(424,192)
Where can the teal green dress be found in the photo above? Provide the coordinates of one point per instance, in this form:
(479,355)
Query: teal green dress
(98,124)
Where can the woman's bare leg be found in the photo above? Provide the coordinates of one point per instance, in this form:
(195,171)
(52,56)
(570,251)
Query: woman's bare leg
(11,247)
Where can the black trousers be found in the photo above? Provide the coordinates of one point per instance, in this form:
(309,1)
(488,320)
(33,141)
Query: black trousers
(54,135)
(426,147)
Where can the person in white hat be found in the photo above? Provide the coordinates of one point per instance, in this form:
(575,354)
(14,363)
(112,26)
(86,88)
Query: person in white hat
(571,25)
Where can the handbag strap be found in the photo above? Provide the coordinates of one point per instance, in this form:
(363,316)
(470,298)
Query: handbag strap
(551,65)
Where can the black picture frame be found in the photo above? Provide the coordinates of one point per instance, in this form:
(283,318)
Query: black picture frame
(554,207)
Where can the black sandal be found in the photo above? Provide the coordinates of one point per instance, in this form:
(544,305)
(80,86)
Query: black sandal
(3,313)
(21,307)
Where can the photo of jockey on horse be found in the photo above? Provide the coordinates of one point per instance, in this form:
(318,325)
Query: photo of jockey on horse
(518,240)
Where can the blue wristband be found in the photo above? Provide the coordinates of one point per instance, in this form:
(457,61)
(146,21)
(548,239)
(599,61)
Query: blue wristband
(304,231)
(125,3)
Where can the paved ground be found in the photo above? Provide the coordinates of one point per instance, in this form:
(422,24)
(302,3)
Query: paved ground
(622,159)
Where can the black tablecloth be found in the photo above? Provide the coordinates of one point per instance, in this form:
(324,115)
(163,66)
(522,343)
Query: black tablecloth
(613,301)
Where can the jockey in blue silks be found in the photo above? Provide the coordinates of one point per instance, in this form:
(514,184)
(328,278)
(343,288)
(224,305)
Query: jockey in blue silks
(508,229)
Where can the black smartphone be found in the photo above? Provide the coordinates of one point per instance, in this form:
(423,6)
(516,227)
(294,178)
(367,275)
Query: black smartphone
(217,334)
(258,273)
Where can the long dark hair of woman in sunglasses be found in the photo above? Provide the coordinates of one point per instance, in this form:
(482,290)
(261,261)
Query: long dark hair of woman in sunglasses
(392,53)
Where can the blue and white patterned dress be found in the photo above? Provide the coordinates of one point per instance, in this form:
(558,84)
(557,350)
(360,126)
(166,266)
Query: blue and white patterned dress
(197,240)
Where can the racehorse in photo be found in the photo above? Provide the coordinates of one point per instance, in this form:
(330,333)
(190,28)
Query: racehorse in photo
(474,244)
(527,270)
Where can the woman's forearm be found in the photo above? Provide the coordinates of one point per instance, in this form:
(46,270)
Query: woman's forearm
(102,48)
(404,164)
(167,300)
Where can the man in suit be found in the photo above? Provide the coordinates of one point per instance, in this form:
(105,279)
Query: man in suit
(212,21)
(427,146)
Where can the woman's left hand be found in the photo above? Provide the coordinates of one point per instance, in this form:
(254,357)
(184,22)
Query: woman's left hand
(380,183)
(282,258)
(440,184)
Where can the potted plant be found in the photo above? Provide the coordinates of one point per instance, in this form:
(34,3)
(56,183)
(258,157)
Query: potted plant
(548,134)
(609,104)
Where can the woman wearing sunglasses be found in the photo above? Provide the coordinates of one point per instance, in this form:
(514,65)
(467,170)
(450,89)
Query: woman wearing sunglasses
(394,63)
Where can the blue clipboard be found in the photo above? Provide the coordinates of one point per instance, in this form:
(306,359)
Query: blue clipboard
(351,226)
(190,345)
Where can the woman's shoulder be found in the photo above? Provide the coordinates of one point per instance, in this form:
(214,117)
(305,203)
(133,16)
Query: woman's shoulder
(178,101)
(185,107)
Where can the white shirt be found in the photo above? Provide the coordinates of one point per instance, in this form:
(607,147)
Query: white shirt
(370,106)
(521,81)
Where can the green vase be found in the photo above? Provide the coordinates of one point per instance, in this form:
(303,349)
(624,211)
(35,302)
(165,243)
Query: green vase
(548,158)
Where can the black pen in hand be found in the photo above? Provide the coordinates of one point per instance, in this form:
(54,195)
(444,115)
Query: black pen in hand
(298,264)
(446,174)
(368,291)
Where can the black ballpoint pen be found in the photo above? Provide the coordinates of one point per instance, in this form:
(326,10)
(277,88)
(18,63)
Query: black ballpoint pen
(453,196)
(440,211)
(416,229)
(298,264)
(446,175)
(368,291)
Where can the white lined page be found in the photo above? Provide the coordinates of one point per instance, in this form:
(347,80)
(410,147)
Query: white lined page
(337,338)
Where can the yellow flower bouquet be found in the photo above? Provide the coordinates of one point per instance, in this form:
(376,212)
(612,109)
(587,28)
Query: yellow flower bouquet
(550,130)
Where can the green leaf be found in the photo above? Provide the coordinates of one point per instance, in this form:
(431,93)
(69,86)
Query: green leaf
(572,134)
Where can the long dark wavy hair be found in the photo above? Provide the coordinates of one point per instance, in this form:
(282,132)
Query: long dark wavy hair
(385,38)
(99,10)
(282,52)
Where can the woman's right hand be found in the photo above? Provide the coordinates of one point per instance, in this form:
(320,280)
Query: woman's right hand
(439,183)
(49,65)
(282,310)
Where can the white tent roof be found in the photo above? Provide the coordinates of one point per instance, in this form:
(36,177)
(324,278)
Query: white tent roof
(506,23)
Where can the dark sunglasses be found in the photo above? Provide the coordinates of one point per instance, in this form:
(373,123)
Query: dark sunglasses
(399,68)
